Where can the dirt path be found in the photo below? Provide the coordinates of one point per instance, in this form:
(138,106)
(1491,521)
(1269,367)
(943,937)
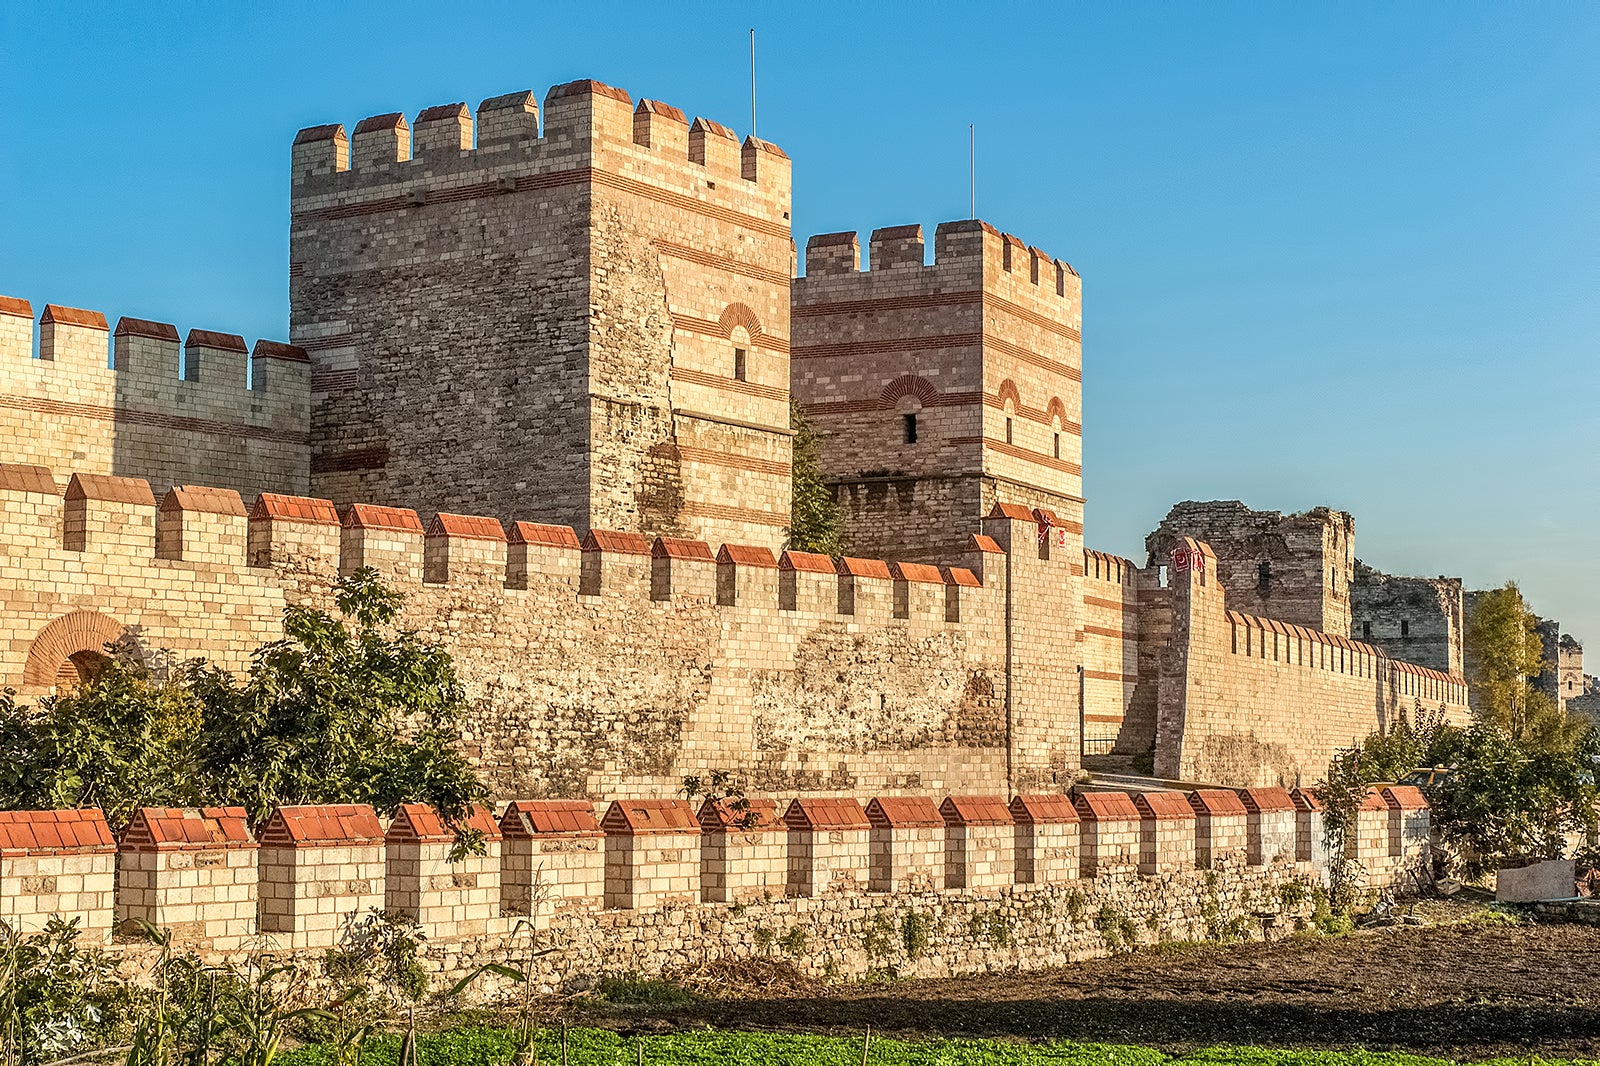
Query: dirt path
(1458,991)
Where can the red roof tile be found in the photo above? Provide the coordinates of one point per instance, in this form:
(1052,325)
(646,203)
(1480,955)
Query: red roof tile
(746,555)
(1405,798)
(960,575)
(586,87)
(656,107)
(271,505)
(372,516)
(442,111)
(73,316)
(288,353)
(920,573)
(524,819)
(322,825)
(1373,801)
(807,562)
(108,489)
(1164,806)
(187,828)
(1305,800)
(616,543)
(679,548)
(16,307)
(759,815)
(1045,809)
(202,499)
(1014,511)
(641,817)
(988,545)
(466,527)
(824,813)
(716,128)
(1106,807)
(82,831)
(852,567)
(20,477)
(418,823)
(976,810)
(543,536)
(392,121)
(1216,801)
(143,327)
(206,338)
(903,812)
(1266,799)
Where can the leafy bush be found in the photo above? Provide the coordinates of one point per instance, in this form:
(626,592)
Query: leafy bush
(56,999)
(915,931)
(643,992)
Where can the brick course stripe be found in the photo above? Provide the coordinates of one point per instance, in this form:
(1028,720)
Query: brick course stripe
(717,381)
(936,299)
(353,459)
(708,457)
(712,328)
(1115,605)
(133,417)
(697,509)
(1115,634)
(850,349)
(722,262)
(1022,453)
(1107,675)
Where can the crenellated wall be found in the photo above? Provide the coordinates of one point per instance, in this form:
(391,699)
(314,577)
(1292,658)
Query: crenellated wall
(79,395)
(653,903)
(1111,641)
(980,349)
(612,665)
(577,316)
(1252,701)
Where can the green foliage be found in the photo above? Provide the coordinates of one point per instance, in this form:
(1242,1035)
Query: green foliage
(879,940)
(379,953)
(1503,800)
(765,938)
(815,523)
(722,787)
(1292,893)
(991,926)
(643,992)
(56,999)
(343,709)
(346,708)
(1118,932)
(1076,904)
(793,942)
(915,932)
(1504,648)
(123,741)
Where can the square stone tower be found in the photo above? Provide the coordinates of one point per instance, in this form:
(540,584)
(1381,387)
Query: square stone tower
(584,322)
(940,390)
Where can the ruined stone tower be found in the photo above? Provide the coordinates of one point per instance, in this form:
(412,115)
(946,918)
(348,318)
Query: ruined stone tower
(585,322)
(940,390)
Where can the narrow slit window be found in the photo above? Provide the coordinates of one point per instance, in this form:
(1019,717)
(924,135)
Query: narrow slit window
(1008,431)
(1058,445)
(1405,628)
(1366,630)
(910,422)
(1264,577)
(738,364)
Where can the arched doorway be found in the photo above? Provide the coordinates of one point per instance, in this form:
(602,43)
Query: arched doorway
(70,651)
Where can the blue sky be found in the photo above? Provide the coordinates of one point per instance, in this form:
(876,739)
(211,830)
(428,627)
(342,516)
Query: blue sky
(1344,254)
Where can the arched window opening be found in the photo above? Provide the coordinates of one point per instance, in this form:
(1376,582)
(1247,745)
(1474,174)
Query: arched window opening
(78,670)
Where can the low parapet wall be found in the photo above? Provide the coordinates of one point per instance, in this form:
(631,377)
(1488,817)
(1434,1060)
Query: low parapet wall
(593,884)
(134,400)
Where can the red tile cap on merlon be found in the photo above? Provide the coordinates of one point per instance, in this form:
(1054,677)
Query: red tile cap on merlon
(205,338)
(288,353)
(1265,800)
(825,813)
(202,499)
(1047,809)
(312,825)
(681,548)
(1106,807)
(25,477)
(539,534)
(916,573)
(39,832)
(1014,511)
(976,810)
(904,812)
(73,316)
(723,815)
(465,527)
(16,307)
(747,555)
(143,327)
(1164,806)
(187,829)
(1216,802)
(279,508)
(615,542)
(372,516)
(847,566)
(806,562)
(1405,798)
(1305,800)
(525,819)
(418,823)
(106,488)
(642,817)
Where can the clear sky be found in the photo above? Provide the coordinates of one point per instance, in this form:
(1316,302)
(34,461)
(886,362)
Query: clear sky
(1344,254)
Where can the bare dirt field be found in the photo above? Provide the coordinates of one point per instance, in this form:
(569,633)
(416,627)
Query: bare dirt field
(1460,991)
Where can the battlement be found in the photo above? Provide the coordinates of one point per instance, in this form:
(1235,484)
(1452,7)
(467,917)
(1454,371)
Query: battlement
(1296,645)
(134,398)
(1103,566)
(514,145)
(968,246)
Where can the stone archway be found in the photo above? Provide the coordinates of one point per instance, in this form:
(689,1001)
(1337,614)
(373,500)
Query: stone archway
(70,650)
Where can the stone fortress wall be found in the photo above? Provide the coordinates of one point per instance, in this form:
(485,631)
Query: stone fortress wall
(600,291)
(653,886)
(78,395)
(563,338)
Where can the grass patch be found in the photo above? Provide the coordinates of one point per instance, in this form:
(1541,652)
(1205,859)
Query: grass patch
(643,992)
(602,1047)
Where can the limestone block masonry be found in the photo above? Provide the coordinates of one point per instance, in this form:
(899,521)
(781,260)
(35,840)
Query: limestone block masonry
(657,919)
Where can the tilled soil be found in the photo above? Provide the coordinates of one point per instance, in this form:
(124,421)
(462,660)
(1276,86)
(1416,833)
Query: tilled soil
(1460,991)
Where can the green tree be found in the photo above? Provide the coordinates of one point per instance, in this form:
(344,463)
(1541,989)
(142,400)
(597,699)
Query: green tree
(815,524)
(123,741)
(346,708)
(1505,651)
